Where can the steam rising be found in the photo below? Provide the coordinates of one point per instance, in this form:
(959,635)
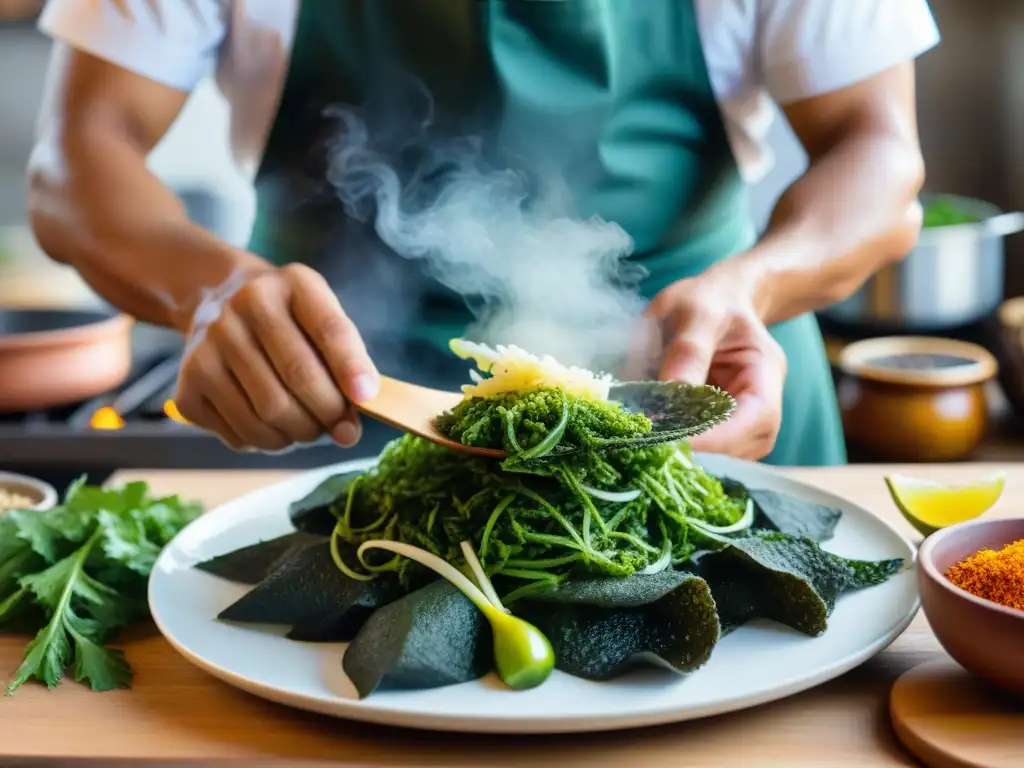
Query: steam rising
(503,240)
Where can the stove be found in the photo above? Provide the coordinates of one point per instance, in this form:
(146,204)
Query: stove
(137,427)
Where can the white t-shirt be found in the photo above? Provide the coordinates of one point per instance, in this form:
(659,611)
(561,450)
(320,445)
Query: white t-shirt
(757,51)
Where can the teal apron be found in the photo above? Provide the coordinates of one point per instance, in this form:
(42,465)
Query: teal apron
(612,95)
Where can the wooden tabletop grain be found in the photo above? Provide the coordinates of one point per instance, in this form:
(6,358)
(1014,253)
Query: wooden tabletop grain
(176,714)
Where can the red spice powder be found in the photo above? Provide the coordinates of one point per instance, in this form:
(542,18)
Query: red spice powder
(993,575)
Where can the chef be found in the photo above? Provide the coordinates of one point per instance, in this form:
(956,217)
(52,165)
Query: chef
(665,104)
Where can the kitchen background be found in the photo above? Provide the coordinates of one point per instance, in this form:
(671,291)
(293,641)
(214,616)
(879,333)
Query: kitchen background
(971,107)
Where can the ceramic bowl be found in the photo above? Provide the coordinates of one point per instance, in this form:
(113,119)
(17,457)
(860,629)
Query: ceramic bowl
(43,495)
(915,399)
(985,638)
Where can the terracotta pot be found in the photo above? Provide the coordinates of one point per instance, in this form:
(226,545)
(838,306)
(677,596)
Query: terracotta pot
(19,10)
(50,358)
(913,399)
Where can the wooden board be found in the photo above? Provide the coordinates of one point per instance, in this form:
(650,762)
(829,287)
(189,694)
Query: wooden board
(950,719)
(177,713)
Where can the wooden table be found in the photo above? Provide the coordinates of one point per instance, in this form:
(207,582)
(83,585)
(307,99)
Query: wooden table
(176,713)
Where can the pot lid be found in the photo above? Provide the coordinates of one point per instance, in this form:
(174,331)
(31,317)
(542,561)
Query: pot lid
(918,361)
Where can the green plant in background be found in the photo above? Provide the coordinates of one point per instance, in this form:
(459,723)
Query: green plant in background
(942,213)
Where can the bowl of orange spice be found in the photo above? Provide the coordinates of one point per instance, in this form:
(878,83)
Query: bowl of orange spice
(971,579)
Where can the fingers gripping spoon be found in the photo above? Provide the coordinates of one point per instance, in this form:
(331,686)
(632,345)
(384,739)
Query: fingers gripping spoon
(412,408)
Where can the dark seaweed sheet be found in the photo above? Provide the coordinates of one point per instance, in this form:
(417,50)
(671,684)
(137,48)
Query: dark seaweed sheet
(312,513)
(603,626)
(428,639)
(775,511)
(252,564)
(789,579)
(308,593)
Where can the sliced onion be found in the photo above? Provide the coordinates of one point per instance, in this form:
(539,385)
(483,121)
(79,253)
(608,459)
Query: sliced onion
(617,497)
(481,578)
(434,563)
(742,524)
(663,562)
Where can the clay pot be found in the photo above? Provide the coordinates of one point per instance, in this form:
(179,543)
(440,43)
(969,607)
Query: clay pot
(985,638)
(50,358)
(915,399)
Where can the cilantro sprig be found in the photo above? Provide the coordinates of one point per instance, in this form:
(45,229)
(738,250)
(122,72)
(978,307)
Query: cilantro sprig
(77,573)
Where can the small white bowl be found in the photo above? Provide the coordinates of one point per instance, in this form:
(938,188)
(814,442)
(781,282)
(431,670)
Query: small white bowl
(44,494)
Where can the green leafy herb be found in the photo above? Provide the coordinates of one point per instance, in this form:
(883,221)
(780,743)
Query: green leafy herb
(83,566)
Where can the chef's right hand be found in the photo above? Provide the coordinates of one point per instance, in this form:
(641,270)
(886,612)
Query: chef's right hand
(275,362)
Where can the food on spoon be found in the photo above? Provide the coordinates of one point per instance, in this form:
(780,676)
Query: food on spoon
(534,408)
(929,506)
(511,370)
(441,566)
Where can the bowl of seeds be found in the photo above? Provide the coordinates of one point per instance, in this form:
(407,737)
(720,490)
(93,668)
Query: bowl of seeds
(971,579)
(24,492)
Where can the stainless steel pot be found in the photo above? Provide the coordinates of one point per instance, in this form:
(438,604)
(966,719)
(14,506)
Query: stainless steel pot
(952,277)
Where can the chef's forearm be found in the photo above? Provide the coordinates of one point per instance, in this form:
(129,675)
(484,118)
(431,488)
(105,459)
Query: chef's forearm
(854,211)
(94,205)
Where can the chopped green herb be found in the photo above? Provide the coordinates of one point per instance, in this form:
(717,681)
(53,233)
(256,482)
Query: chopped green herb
(82,567)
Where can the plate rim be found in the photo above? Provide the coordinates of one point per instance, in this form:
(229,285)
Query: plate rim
(356,710)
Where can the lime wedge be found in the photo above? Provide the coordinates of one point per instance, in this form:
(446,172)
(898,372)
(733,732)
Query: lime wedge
(929,506)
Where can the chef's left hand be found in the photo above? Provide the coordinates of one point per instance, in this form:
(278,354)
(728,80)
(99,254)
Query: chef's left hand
(711,333)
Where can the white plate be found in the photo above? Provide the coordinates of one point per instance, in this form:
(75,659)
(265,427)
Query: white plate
(758,663)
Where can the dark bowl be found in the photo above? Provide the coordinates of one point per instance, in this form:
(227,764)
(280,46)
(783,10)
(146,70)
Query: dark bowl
(985,638)
(1006,331)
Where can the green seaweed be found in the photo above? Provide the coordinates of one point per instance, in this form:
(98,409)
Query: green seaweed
(430,638)
(308,593)
(601,627)
(538,423)
(869,573)
(677,411)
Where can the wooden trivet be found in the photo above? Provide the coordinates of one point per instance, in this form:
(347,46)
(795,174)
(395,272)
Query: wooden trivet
(951,719)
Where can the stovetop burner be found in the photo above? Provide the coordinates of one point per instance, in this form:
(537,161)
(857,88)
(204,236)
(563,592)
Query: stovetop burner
(135,428)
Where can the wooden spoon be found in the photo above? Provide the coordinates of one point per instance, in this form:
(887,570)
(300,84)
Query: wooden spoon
(412,408)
